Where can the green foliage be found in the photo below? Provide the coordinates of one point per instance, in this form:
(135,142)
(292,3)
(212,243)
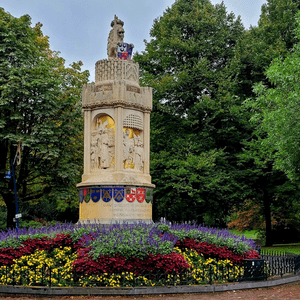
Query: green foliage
(79,232)
(137,242)
(208,237)
(40,103)
(277,111)
(163,228)
(196,125)
(10,242)
(273,38)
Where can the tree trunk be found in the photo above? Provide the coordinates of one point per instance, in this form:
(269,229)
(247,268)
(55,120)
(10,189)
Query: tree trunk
(9,199)
(267,212)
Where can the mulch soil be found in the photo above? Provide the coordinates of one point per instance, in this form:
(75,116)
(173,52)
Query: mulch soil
(282,292)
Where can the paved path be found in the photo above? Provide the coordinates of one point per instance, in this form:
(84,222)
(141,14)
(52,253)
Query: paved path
(283,292)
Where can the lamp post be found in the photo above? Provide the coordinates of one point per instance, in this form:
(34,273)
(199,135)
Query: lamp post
(17,216)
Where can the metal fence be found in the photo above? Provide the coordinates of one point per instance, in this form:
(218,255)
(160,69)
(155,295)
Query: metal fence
(271,264)
(281,263)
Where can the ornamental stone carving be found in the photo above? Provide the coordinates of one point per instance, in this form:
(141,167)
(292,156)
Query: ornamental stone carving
(133,149)
(115,42)
(102,145)
(116,36)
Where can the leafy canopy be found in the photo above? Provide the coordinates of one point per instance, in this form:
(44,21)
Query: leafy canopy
(40,103)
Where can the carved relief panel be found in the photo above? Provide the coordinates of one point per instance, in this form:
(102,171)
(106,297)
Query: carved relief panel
(103,143)
(133,148)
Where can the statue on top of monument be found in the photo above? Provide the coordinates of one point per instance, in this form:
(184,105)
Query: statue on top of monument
(116,48)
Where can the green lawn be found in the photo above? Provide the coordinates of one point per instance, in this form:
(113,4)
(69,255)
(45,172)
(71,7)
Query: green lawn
(291,248)
(249,234)
(252,234)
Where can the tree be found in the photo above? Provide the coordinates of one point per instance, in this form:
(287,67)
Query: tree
(274,37)
(277,111)
(276,118)
(40,103)
(196,127)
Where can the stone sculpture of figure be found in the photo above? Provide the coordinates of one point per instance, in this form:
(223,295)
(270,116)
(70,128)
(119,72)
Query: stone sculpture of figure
(138,154)
(104,150)
(102,146)
(128,147)
(116,36)
(93,152)
(115,39)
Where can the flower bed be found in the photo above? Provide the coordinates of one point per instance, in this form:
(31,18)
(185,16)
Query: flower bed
(122,255)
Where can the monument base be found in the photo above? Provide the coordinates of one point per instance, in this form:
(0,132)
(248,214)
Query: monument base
(111,222)
(115,204)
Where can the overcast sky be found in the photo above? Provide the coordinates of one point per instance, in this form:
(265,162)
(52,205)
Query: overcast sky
(79,28)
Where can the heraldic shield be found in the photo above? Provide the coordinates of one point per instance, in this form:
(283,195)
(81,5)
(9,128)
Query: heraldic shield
(80,195)
(124,51)
(86,195)
(149,196)
(95,194)
(130,194)
(140,194)
(119,194)
(106,194)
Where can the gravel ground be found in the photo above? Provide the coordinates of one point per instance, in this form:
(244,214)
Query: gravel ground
(283,292)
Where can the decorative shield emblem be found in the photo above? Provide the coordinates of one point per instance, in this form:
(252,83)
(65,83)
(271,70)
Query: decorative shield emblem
(119,193)
(95,194)
(124,51)
(80,195)
(86,195)
(140,194)
(130,194)
(149,196)
(106,194)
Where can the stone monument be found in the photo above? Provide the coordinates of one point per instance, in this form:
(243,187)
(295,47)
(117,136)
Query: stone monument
(116,185)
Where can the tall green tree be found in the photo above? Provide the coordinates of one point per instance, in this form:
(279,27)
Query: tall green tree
(277,111)
(273,37)
(40,103)
(196,127)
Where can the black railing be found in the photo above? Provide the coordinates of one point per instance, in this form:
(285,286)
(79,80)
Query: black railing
(271,264)
(281,263)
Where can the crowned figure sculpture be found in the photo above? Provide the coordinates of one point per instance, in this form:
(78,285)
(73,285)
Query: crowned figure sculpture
(116,184)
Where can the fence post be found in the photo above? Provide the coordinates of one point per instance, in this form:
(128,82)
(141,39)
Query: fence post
(210,274)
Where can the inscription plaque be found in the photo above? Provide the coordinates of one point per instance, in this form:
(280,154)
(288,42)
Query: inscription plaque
(131,88)
(104,87)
